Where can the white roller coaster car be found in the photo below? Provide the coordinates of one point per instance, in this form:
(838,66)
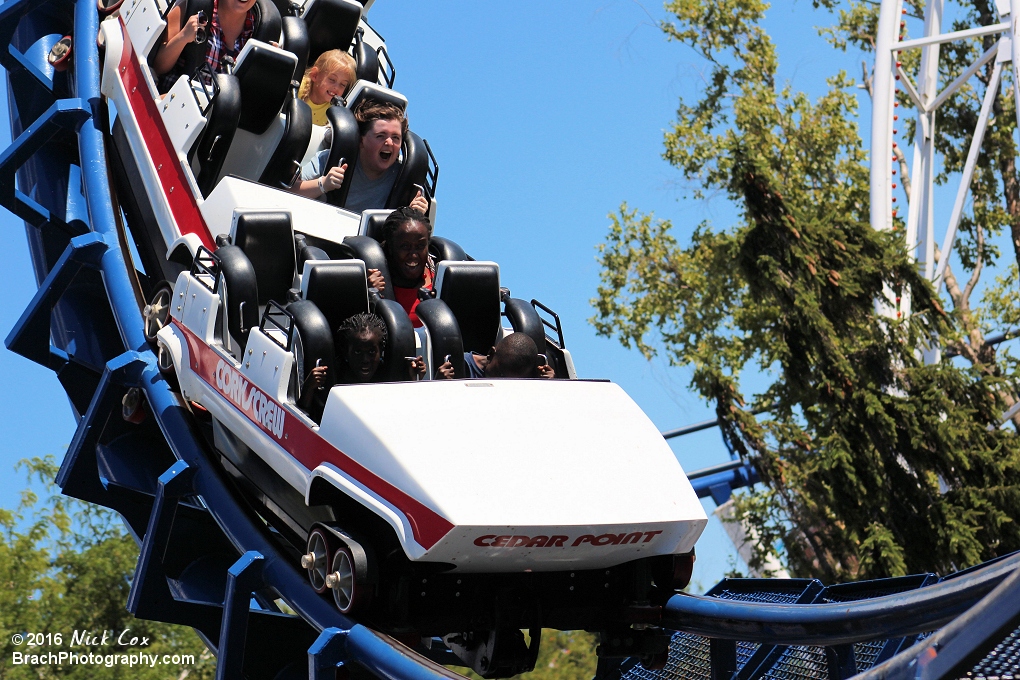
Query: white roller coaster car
(469,509)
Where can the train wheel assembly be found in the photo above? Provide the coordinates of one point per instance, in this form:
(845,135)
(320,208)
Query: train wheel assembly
(318,559)
(157,312)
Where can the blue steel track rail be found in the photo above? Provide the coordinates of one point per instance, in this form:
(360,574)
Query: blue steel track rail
(204,554)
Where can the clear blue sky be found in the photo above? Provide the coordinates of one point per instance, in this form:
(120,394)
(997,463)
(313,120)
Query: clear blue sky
(545,117)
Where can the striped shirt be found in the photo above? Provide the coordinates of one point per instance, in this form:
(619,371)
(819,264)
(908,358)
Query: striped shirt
(217,45)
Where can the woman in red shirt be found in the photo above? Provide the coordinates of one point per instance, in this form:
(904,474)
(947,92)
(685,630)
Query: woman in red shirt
(406,235)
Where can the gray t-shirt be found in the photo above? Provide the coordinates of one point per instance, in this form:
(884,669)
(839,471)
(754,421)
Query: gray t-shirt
(365,193)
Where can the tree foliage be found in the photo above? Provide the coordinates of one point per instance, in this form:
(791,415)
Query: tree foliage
(874,463)
(65,566)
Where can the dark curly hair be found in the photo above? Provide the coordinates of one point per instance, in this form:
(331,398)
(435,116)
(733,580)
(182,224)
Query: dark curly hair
(354,325)
(399,218)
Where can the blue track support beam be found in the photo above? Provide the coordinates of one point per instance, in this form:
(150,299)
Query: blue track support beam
(890,616)
(11,13)
(327,654)
(722,655)
(150,596)
(63,115)
(14,60)
(78,476)
(720,480)
(30,336)
(244,577)
(842,662)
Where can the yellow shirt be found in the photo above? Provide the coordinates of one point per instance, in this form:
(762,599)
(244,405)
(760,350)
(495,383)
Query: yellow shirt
(318,110)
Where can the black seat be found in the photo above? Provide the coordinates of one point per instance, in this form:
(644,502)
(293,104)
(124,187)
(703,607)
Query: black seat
(372,222)
(268,240)
(331,25)
(267,147)
(313,347)
(264,73)
(367,89)
(371,253)
(399,340)
(344,145)
(366,59)
(221,124)
(445,249)
(268,22)
(238,292)
(286,160)
(337,287)
(444,335)
(524,318)
(295,39)
(413,170)
(471,290)
(306,252)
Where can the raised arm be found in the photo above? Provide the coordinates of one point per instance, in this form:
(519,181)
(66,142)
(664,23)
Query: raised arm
(177,37)
(317,186)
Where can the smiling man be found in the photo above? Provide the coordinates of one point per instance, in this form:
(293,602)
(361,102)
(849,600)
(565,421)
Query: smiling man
(382,126)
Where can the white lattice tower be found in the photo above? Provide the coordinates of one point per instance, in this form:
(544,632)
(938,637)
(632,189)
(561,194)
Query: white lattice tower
(923,90)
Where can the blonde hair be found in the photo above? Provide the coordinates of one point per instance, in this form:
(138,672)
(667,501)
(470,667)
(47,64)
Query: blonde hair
(328,62)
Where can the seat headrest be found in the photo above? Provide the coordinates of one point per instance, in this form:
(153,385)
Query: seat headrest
(339,288)
(414,170)
(268,23)
(331,25)
(315,339)
(240,279)
(367,61)
(364,89)
(372,222)
(264,73)
(471,290)
(400,340)
(345,144)
(445,249)
(267,238)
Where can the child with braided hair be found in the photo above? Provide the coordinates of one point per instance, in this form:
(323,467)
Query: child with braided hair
(359,352)
(331,76)
(405,240)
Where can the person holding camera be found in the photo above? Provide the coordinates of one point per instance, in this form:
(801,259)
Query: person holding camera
(224,34)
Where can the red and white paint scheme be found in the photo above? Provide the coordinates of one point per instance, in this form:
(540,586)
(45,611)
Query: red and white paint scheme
(500,475)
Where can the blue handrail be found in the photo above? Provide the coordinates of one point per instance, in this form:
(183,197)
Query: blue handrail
(890,616)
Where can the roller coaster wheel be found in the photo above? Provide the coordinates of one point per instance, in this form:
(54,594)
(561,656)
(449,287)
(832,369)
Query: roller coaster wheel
(165,364)
(157,312)
(317,560)
(655,662)
(347,580)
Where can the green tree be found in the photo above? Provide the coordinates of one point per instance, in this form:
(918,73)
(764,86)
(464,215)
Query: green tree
(873,463)
(65,566)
